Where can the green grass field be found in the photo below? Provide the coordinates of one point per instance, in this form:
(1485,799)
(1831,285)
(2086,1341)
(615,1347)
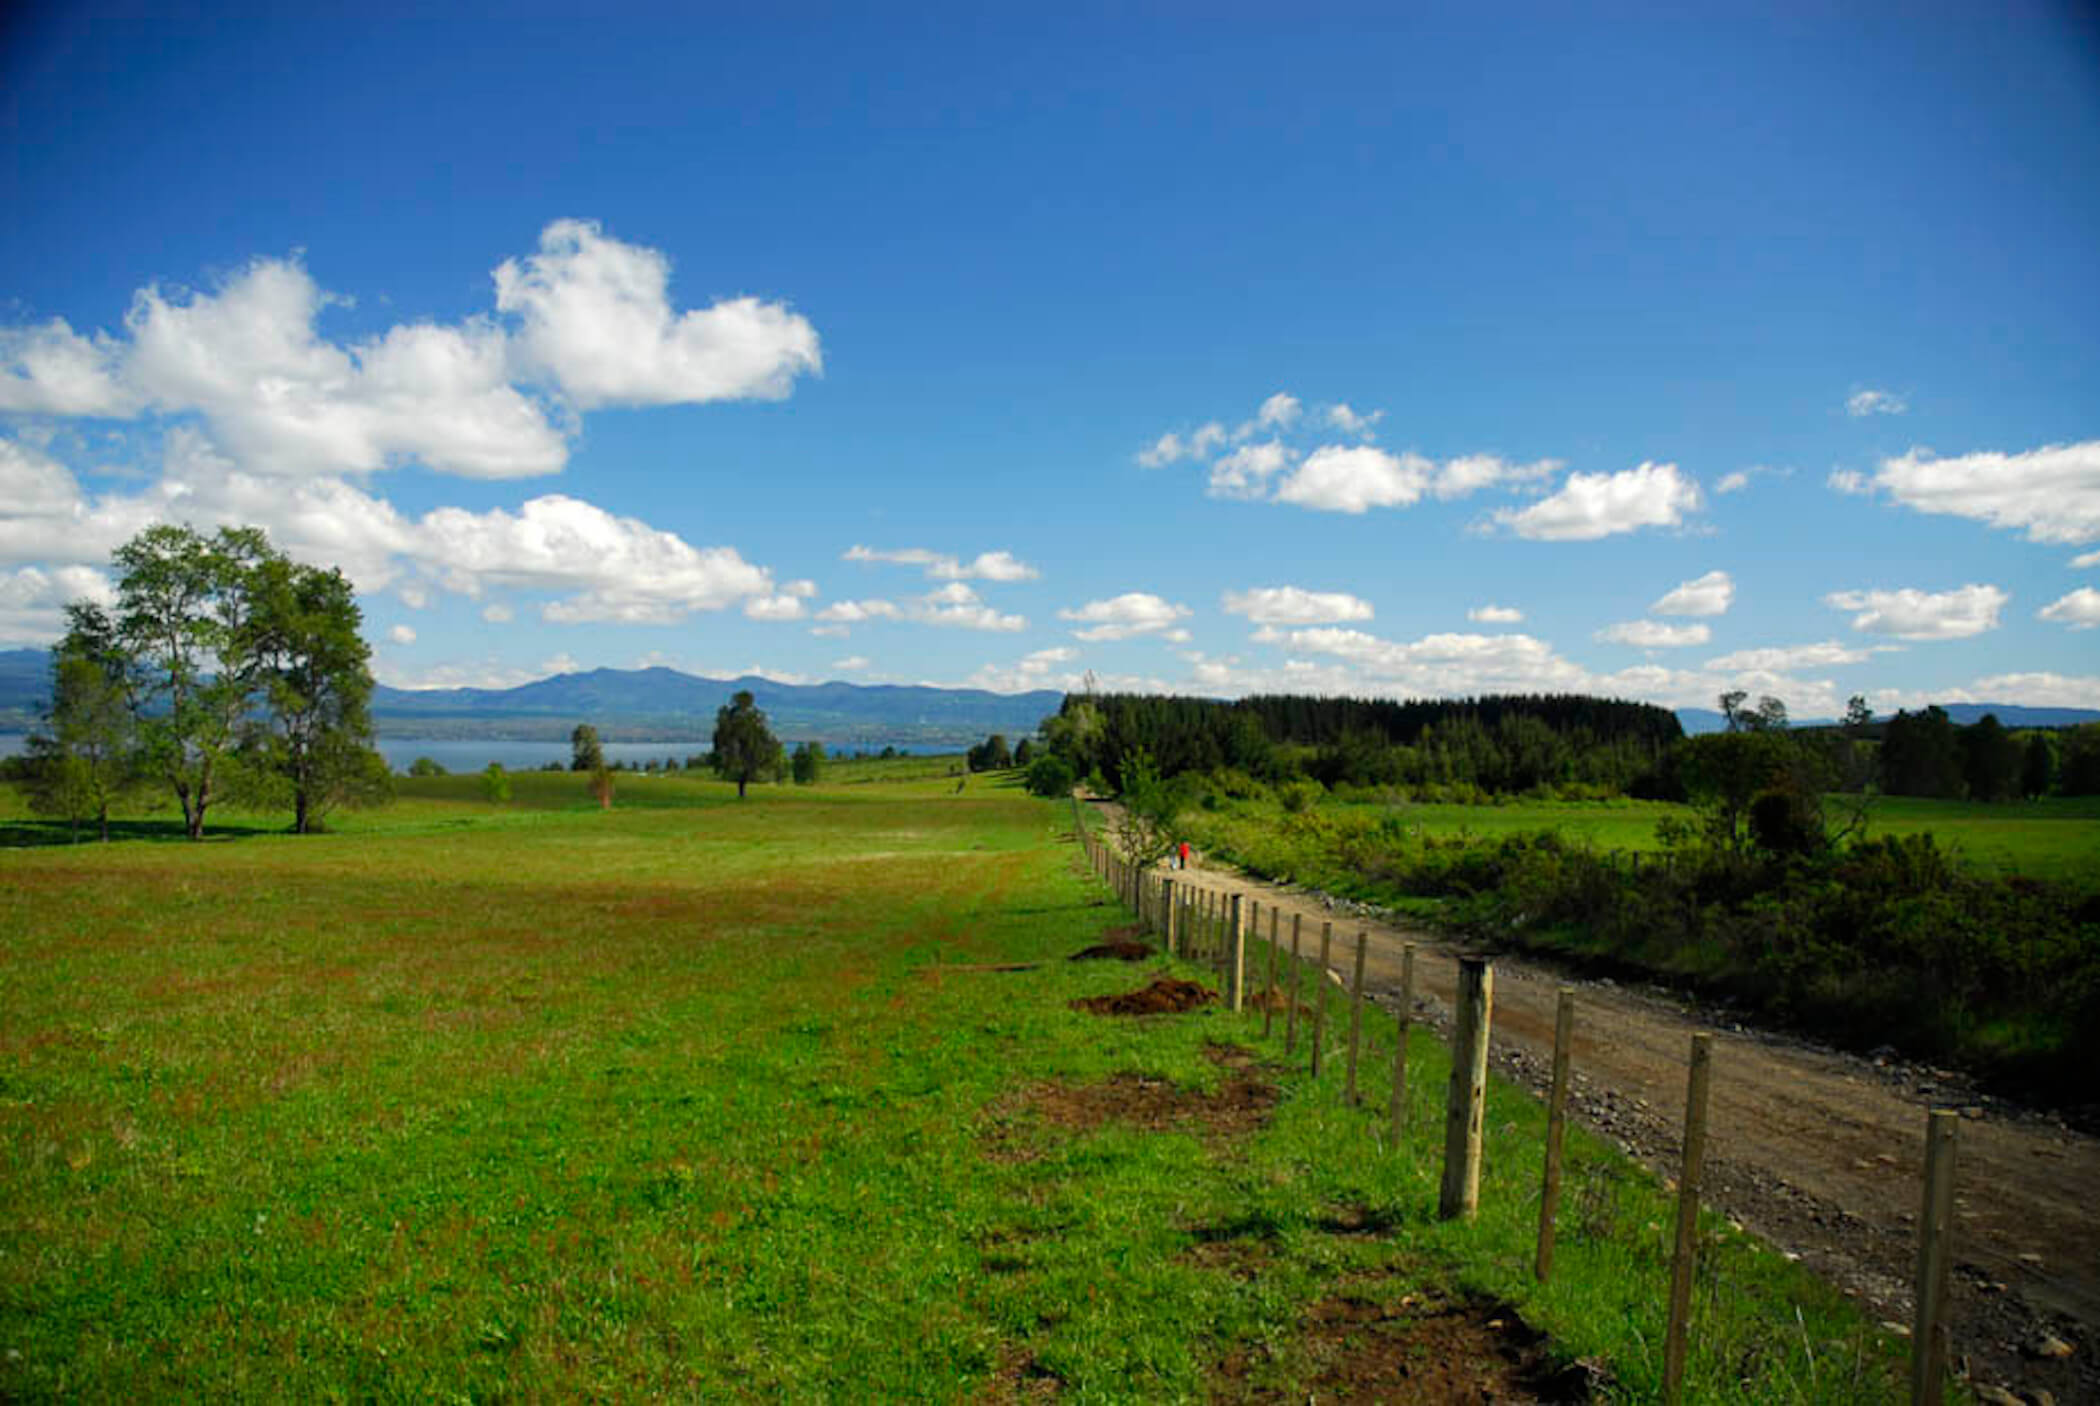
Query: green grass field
(542,1102)
(2053,838)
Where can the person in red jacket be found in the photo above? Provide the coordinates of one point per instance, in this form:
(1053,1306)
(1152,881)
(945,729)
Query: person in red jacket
(1184,855)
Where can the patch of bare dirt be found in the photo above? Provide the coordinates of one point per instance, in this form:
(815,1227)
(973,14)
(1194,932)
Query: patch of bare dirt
(1019,1377)
(1374,1342)
(1024,1121)
(1165,996)
(1118,951)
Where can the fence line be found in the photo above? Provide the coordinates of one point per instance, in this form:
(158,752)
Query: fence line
(1199,923)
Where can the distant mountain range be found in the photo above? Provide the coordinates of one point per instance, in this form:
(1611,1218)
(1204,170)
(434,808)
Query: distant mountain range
(649,705)
(664,705)
(1698,720)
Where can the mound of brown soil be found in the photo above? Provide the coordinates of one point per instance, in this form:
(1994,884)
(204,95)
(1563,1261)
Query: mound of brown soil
(1362,1345)
(1118,951)
(1163,997)
(1238,1106)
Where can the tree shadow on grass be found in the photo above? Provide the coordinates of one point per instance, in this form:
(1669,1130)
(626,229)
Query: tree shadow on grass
(43,834)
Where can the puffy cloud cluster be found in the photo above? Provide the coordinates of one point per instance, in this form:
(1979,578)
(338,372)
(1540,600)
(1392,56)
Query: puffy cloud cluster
(1126,616)
(985,566)
(1863,403)
(953,606)
(33,601)
(1590,506)
(587,321)
(267,421)
(1911,614)
(1710,594)
(1653,634)
(2080,609)
(2051,493)
(595,318)
(1293,605)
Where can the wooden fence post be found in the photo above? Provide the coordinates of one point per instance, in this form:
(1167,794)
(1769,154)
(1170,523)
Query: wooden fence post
(1682,1264)
(1356,1016)
(1556,1129)
(1397,1106)
(1465,1105)
(1166,914)
(1268,1012)
(1290,1024)
(1235,958)
(1319,1030)
(1928,1334)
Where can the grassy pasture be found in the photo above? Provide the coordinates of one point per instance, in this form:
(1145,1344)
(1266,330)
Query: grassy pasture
(2053,838)
(540,1101)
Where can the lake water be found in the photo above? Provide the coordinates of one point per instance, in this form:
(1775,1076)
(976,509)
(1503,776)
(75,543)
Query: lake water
(469,754)
(457,754)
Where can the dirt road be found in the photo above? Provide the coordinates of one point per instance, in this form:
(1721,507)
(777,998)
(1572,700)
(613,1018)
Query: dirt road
(1819,1153)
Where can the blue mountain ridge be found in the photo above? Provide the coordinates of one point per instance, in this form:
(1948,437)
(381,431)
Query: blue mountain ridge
(665,704)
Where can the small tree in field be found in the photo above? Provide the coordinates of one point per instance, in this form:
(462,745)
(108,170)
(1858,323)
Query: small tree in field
(807,763)
(87,760)
(495,784)
(745,748)
(1144,825)
(585,753)
(602,786)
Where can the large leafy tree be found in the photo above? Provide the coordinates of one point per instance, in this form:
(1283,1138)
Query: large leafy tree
(87,758)
(313,669)
(185,625)
(745,748)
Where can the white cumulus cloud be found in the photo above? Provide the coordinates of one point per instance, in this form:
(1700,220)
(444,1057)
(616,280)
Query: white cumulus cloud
(985,566)
(1293,605)
(954,606)
(1653,634)
(1590,506)
(1871,402)
(1354,479)
(1245,472)
(33,601)
(1785,659)
(1470,473)
(2052,492)
(1122,617)
(1495,615)
(53,370)
(596,318)
(402,634)
(1710,594)
(2080,609)
(1912,614)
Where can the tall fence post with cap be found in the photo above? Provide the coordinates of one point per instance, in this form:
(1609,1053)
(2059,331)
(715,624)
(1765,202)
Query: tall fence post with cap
(1686,1258)
(1290,1024)
(1928,1334)
(1556,1129)
(1268,1011)
(1319,1028)
(1356,1013)
(1396,1111)
(1465,1105)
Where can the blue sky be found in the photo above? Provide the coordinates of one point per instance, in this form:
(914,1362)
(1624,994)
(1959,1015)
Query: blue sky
(1207,349)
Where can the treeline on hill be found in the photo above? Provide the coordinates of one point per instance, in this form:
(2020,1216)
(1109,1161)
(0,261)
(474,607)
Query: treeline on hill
(1451,748)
